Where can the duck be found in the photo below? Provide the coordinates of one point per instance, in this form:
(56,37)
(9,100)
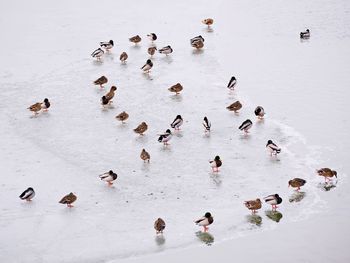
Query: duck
(28,194)
(273,200)
(68,199)
(159,226)
(135,39)
(259,112)
(46,104)
(123,116)
(110,95)
(108,177)
(98,53)
(205,221)
(147,67)
(141,128)
(206,124)
(305,34)
(236,106)
(152,36)
(273,148)
(166,50)
(232,83)
(327,173)
(123,57)
(176,88)
(37,107)
(100,81)
(296,183)
(145,156)
(104,101)
(197,42)
(208,21)
(253,205)
(165,137)
(151,51)
(177,122)
(215,164)
(246,125)
(107,45)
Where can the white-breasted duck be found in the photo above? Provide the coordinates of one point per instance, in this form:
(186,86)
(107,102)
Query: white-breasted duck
(246,125)
(98,53)
(232,83)
(147,67)
(166,50)
(107,45)
(28,194)
(205,221)
(272,148)
(206,124)
(305,34)
(273,200)
(165,137)
(259,112)
(108,177)
(152,36)
(215,164)
(178,121)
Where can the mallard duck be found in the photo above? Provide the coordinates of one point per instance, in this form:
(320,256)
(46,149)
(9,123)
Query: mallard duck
(205,221)
(110,95)
(28,194)
(135,39)
(100,81)
(159,225)
(107,45)
(208,21)
(166,50)
(141,128)
(151,51)
(36,107)
(147,67)
(259,112)
(232,83)
(165,137)
(253,205)
(206,124)
(327,173)
(108,177)
(215,164)
(98,53)
(123,116)
(152,36)
(273,148)
(145,156)
(197,42)
(68,199)
(305,34)
(296,183)
(177,122)
(246,125)
(123,57)
(176,88)
(236,106)
(273,200)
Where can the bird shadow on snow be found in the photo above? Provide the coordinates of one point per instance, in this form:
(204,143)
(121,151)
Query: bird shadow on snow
(327,186)
(254,219)
(297,197)
(177,98)
(208,30)
(97,62)
(205,237)
(216,178)
(147,76)
(197,51)
(141,138)
(135,47)
(160,240)
(167,59)
(274,215)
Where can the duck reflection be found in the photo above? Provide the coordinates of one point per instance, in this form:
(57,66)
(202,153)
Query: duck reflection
(327,186)
(160,240)
(205,237)
(254,219)
(274,215)
(297,196)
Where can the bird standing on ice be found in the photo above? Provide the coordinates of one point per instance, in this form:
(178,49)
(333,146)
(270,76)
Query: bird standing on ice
(253,205)
(166,50)
(206,124)
(135,39)
(147,67)
(152,37)
(296,183)
(165,137)
(177,122)
(259,112)
(159,226)
(123,116)
(273,200)
(145,156)
(151,51)
(100,81)
(236,106)
(35,108)
(28,194)
(108,177)
(232,83)
(208,21)
(246,125)
(176,88)
(272,148)
(123,57)
(107,45)
(327,173)
(205,221)
(305,35)
(141,128)
(68,199)
(215,164)
(98,53)
(197,42)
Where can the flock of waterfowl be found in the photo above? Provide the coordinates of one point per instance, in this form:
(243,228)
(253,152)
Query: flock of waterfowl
(110,176)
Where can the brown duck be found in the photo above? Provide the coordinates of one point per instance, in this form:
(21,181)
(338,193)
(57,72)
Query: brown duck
(123,57)
(145,156)
(236,106)
(135,39)
(100,81)
(176,88)
(68,199)
(327,173)
(253,205)
(123,116)
(39,106)
(296,183)
(151,51)
(159,225)
(208,21)
(109,96)
(141,128)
